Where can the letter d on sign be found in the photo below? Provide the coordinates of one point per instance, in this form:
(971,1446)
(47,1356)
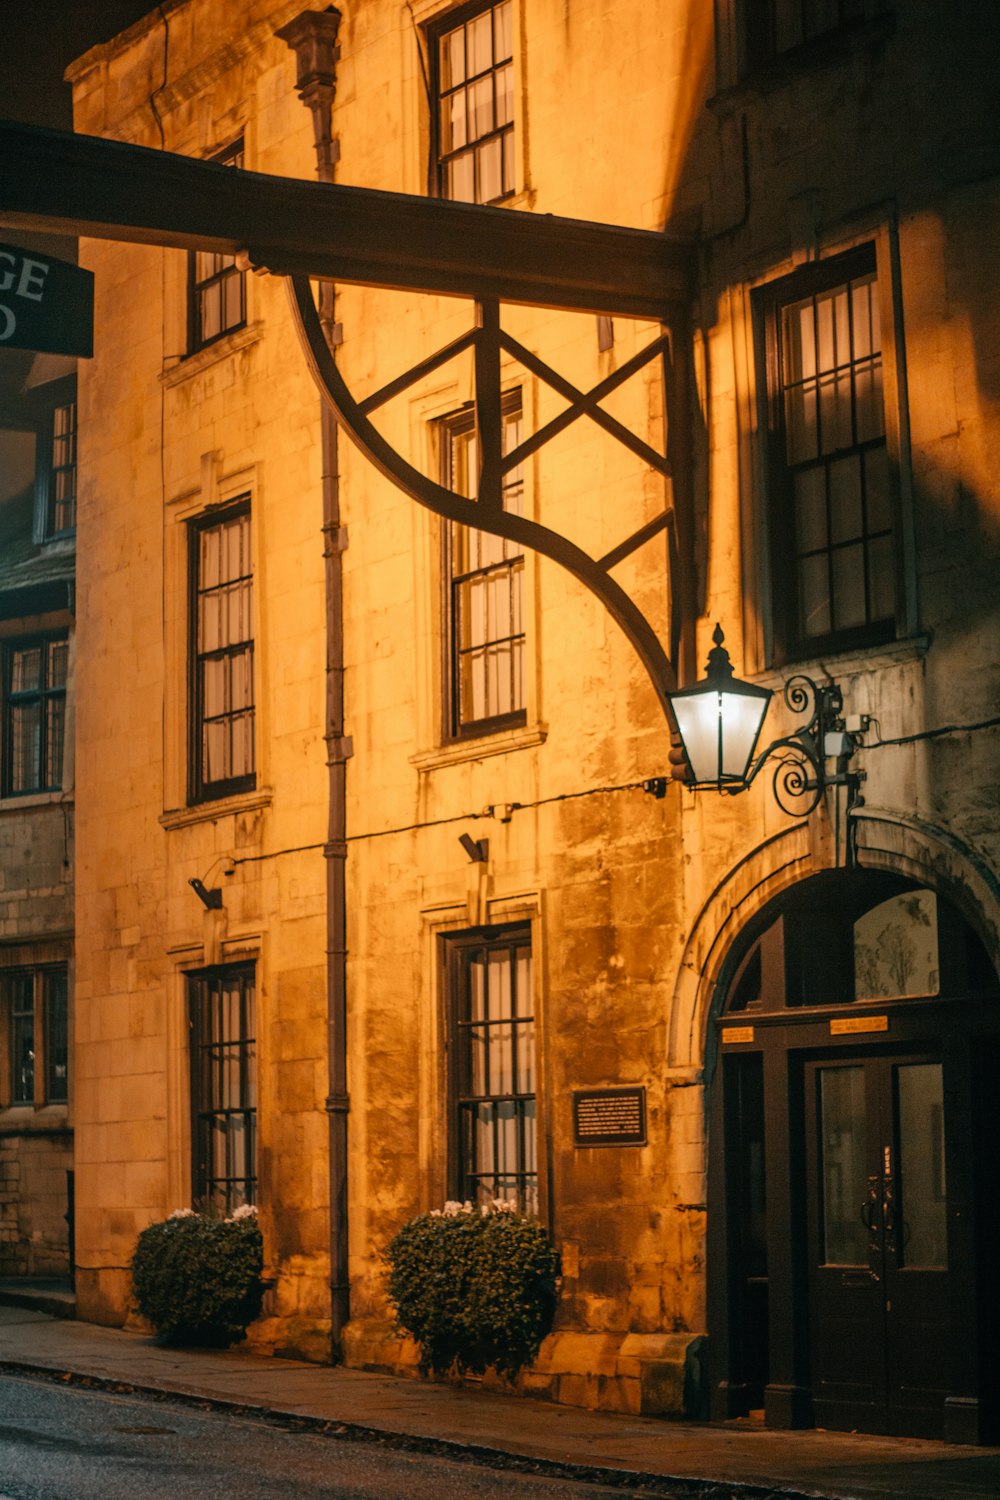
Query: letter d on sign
(8,323)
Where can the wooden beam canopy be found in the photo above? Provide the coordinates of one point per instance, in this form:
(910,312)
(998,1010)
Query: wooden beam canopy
(63,183)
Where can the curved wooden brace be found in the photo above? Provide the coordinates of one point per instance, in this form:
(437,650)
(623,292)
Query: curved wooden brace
(454,507)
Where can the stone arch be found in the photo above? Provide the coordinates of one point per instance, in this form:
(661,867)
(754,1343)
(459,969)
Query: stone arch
(885,840)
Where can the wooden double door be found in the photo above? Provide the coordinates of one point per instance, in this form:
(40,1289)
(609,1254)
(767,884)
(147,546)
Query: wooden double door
(877,1218)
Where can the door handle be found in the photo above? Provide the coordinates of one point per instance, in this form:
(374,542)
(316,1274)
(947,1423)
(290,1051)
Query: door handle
(888,1209)
(869,1211)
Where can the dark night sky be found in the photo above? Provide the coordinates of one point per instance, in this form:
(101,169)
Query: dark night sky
(38,41)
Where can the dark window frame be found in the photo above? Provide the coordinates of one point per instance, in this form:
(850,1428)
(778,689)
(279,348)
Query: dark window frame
(457,584)
(207,1061)
(35,1006)
(224,271)
(45,695)
(200,788)
(466,1181)
(60,395)
(791,640)
(763,47)
(442,158)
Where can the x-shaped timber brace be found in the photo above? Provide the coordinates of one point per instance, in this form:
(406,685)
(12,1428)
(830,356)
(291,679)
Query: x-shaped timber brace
(84,185)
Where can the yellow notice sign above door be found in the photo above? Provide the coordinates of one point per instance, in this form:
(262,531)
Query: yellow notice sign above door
(849,1025)
(737,1034)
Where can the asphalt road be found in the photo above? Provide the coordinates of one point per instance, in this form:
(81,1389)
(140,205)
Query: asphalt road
(60,1443)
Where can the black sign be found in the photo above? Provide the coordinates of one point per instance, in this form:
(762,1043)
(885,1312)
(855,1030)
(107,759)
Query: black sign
(45,304)
(609,1117)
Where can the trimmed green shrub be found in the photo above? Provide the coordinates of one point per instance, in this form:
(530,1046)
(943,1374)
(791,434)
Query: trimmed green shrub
(475,1287)
(198,1279)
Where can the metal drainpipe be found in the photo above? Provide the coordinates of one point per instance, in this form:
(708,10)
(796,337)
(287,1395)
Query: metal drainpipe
(312,36)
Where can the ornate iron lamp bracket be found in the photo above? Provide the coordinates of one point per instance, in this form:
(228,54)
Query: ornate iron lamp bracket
(488,341)
(800,777)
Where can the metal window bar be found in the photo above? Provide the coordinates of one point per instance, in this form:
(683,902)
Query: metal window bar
(475,111)
(224,1087)
(496,1097)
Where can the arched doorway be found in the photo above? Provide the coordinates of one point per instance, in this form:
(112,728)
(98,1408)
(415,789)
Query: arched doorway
(855,1064)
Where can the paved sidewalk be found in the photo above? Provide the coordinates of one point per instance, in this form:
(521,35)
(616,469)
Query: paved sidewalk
(483,1424)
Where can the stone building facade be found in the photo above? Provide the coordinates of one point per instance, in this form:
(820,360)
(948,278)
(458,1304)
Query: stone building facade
(37,608)
(805,1006)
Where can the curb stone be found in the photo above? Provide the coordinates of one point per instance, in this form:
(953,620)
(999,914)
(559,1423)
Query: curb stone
(655,1486)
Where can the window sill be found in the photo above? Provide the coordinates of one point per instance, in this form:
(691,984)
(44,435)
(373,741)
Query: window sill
(18,1119)
(852,659)
(193,364)
(211,812)
(480,749)
(20,802)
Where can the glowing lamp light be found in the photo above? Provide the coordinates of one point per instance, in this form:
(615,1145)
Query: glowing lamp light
(719,722)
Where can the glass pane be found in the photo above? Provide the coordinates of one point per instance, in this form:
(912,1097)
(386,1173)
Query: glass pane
(810,509)
(845,499)
(878,493)
(453,129)
(896,948)
(209,557)
(836,429)
(814,598)
(58,660)
(922,1189)
(26,670)
(503,34)
(210,301)
(849,587)
(55,710)
(56,1038)
(798,341)
(23,1053)
(505,95)
(476,991)
(800,423)
(452,56)
(479,43)
(787,24)
(480,97)
(868,400)
(460,181)
(499,986)
(525,1081)
(843,1145)
(508,163)
(26,747)
(881,579)
(489,163)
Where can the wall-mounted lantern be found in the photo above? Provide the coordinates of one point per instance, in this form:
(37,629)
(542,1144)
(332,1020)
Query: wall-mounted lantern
(719,721)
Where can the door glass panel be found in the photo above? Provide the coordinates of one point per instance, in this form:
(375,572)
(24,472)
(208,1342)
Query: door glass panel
(921,1165)
(843,1137)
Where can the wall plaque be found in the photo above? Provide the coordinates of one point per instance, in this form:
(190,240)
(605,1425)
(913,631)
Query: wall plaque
(609,1117)
(847,1025)
(737,1033)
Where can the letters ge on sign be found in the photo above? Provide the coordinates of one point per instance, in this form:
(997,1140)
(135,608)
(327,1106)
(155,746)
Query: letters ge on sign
(45,304)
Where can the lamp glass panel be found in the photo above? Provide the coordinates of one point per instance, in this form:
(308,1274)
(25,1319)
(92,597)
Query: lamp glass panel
(698,721)
(742,717)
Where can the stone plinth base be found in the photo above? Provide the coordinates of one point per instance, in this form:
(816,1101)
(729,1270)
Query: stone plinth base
(643,1374)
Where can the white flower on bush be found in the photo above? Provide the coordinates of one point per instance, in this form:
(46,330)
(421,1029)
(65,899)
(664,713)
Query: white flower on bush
(245,1211)
(183,1213)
